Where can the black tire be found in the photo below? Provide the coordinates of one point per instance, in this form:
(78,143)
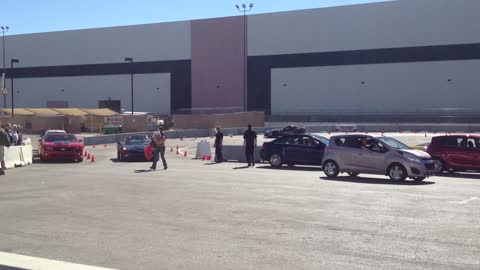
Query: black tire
(352,174)
(276,160)
(418,179)
(331,169)
(438,165)
(397,172)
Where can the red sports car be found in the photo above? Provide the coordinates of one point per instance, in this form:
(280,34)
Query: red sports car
(61,147)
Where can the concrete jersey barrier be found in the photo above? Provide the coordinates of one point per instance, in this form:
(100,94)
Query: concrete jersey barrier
(237,153)
(20,155)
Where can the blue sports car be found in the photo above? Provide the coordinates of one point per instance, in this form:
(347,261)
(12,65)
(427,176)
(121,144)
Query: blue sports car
(132,147)
(303,149)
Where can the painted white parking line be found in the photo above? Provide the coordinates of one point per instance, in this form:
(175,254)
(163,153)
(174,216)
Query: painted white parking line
(182,150)
(32,263)
(465,201)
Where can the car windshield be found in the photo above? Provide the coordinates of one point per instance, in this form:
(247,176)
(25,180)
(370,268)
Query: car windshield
(137,140)
(394,143)
(320,138)
(60,137)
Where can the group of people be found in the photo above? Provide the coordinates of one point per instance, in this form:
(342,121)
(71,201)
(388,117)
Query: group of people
(9,135)
(249,142)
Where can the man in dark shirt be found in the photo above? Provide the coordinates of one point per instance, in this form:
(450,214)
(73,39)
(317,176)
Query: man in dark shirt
(218,146)
(250,142)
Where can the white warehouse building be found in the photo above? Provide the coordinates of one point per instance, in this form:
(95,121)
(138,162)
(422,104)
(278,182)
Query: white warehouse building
(404,57)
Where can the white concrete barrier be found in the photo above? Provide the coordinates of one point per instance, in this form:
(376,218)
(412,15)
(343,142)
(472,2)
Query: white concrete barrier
(203,149)
(20,155)
(237,153)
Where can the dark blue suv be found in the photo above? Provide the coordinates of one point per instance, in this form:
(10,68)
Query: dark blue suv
(302,149)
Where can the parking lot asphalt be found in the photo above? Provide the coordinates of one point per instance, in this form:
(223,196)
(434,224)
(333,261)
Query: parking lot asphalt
(200,215)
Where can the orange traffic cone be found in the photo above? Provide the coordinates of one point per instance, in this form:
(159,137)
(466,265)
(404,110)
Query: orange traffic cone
(185,154)
(209,157)
(93,159)
(178,152)
(88,156)
(105,146)
(171,149)
(204,158)
(85,153)
(94,146)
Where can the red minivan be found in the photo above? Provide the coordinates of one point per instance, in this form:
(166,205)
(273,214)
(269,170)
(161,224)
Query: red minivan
(455,153)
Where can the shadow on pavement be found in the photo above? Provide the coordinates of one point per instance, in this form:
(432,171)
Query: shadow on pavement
(115,160)
(38,161)
(376,181)
(143,171)
(292,168)
(242,167)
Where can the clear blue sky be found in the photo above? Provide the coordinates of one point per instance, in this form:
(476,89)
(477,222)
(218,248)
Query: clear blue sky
(31,16)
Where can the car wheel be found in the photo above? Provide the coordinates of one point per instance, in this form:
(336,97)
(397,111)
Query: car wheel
(397,172)
(331,169)
(276,160)
(438,165)
(352,174)
(418,179)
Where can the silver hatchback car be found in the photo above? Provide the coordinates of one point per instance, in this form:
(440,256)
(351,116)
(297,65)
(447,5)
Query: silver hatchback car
(355,154)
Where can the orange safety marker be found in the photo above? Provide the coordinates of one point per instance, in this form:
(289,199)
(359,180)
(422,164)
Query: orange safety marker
(185,154)
(94,146)
(88,156)
(178,152)
(93,159)
(85,153)
(204,158)
(171,149)
(105,146)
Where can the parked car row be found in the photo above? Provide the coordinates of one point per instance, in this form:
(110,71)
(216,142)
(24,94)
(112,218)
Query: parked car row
(355,154)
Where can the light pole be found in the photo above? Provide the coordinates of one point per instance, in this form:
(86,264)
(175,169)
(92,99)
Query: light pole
(244,10)
(11,82)
(130,59)
(4,30)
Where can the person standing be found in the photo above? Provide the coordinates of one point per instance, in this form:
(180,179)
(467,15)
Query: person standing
(8,129)
(218,145)
(15,135)
(158,149)
(250,143)
(4,142)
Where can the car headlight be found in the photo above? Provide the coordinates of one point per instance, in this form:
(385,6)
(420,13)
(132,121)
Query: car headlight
(124,148)
(412,157)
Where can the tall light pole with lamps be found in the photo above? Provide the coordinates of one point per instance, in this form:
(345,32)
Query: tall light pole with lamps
(4,30)
(244,10)
(130,59)
(11,82)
